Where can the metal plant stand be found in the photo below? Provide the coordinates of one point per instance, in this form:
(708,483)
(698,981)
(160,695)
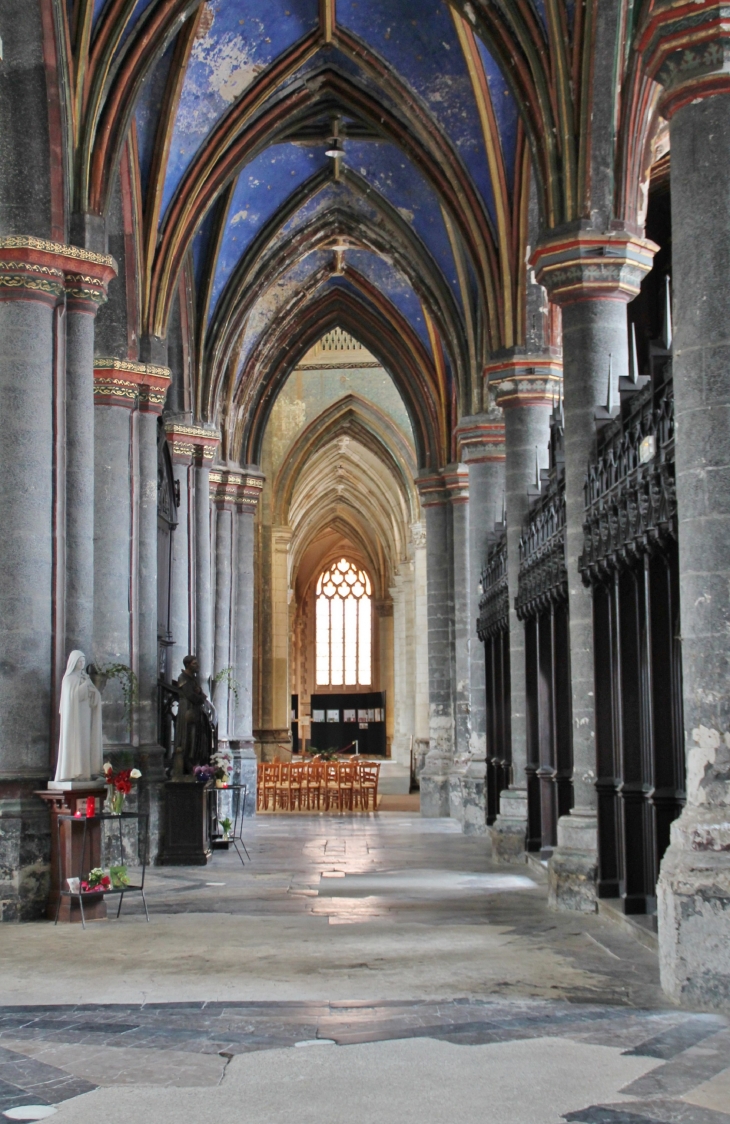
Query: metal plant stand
(235,811)
(85,862)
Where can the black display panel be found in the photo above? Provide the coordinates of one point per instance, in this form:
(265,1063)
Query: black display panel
(341,722)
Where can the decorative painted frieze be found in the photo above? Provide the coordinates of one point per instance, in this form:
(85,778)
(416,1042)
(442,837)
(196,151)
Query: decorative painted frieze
(122,382)
(35,269)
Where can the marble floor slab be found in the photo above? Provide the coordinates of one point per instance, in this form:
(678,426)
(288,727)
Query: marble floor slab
(427,975)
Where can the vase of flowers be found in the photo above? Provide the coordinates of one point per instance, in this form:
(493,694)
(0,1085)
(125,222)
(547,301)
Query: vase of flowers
(119,786)
(222,762)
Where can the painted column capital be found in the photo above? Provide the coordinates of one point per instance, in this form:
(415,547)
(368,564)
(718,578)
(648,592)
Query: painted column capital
(431,489)
(122,382)
(456,482)
(685,45)
(524,380)
(479,439)
(577,264)
(191,444)
(35,269)
(236,489)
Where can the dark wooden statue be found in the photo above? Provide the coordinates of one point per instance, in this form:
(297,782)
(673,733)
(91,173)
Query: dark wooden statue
(194,731)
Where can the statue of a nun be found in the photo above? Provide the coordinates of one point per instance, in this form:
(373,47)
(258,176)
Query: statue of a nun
(79,746)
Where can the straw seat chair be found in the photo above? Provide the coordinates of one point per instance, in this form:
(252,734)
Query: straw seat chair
(283,789)
(268,780)
(332,785)
(313,783)
(296,785)
(348,782)
(368,785)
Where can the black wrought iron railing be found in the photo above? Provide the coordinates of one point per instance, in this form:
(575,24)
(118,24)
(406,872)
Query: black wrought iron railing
(543,576)
(630,497)
(494,602)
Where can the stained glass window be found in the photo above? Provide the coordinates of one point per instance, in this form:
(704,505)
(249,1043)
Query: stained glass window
(343,623)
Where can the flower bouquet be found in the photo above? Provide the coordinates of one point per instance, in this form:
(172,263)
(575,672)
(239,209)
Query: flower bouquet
(204,773)
(222,762)
(119,876)
(96,881)
(119,786)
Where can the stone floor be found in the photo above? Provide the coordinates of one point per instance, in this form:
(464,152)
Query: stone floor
(434,984)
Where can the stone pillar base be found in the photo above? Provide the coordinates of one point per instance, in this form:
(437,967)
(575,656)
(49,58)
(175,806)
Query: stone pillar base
(25,852)
(245,771)
(273,745)
(435,796)
(573,866)
(509,830)
(693,906)
(456,794)
(474,799)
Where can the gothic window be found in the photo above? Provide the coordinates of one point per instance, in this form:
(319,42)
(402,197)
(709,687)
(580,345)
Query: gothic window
(343,626)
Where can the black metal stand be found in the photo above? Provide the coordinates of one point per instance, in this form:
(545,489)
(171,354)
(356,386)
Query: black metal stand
(85,861)
(217,797)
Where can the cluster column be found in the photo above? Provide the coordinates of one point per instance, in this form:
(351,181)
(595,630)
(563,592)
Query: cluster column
(191,448)
(694,884)
(591,275)
(86,289)
(35,277)
(480,442)
(435,775)
(242,741)
(525,388)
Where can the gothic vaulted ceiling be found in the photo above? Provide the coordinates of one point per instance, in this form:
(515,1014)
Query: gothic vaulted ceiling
(305,165)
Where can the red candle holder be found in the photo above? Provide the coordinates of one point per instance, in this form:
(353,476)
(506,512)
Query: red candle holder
(90,806)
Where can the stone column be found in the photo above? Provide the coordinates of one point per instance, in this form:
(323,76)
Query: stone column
(456,481)
(480,441)
(591,275)
(420,650)
(524,387)
(154,382)
(273,732)
(204,451)
(190,447)
(31,284)
(402,703)
(385,635)
(242,743)
(223,488)
(435,784)
(85,291)
(116,397)
(694,883)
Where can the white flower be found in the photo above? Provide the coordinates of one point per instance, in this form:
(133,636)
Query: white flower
(107,767)
(135,774)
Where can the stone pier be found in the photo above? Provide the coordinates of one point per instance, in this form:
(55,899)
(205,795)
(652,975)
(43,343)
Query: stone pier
(524,386)
(591,275)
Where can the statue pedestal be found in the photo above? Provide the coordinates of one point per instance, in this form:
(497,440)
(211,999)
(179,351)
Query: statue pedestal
(186,838)
(66,857)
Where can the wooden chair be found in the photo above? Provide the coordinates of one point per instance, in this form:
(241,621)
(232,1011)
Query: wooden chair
(313,784)
(283,787)
(332,785)
(268,779)
(296,782)
(368,786)
(348,781)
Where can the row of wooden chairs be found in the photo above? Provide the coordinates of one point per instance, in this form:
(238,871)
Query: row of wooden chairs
(321,786)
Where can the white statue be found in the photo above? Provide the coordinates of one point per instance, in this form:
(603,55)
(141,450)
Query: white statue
(79,746)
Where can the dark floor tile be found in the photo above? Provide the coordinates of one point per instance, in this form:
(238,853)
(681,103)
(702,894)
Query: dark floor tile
(673,1041)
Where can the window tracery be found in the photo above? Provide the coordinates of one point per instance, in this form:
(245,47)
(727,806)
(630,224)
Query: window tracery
(343,626)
